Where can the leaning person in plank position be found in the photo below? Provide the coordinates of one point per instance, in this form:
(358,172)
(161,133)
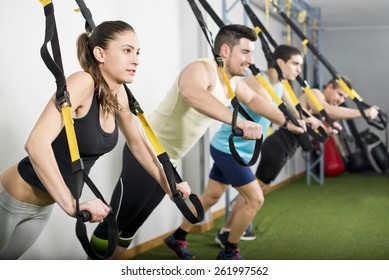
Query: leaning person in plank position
(197,97)
(28,190)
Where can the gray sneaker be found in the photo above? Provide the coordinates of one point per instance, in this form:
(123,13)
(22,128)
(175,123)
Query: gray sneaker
(248,236)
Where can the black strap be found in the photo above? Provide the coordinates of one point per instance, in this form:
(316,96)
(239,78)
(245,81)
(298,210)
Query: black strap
(86,13)
(85,216)
(235,131)
(54,64)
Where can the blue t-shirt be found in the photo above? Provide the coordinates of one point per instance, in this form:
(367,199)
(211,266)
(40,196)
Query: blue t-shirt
(245,148)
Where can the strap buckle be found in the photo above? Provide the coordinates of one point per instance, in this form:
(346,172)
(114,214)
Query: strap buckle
(219,61)
(135,108)
(62,99)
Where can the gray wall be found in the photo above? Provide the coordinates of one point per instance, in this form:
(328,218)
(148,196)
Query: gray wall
(362,55)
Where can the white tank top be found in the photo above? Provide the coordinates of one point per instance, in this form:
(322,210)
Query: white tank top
(177,125)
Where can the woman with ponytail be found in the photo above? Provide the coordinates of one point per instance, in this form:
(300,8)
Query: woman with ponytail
(99,104)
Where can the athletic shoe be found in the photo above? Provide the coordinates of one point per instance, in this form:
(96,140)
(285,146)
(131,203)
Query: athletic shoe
(248,236)
(234,255)
(179,247)
(221,238)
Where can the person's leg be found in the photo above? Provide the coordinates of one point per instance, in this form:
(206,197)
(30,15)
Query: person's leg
(22,228)
(217,185)
(239,202)
(177,241)
(210,197)
(223,233)
(276,150)
(129,232)
(135,196)
(248,205)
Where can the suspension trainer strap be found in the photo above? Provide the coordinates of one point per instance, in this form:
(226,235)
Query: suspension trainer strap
(382,120)
(171,173)
(303,138)
(321,135)
(86,13)
(64,106)
(235,131)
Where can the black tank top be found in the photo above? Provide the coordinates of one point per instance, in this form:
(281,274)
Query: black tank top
(92,142)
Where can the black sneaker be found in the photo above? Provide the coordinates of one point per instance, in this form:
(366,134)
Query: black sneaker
(248,236)
(221,238)
(179,247)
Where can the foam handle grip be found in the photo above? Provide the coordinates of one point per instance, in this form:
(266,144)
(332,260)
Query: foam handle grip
(85,216)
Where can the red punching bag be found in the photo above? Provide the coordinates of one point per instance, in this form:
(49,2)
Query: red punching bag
(333,162)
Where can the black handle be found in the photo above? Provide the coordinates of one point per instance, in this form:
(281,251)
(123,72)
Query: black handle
(86,216)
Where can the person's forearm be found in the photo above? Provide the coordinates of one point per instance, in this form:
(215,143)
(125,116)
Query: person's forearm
(264,108)
(342,113)
(46,167)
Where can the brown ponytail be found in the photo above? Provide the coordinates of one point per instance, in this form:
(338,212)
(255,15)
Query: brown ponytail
(101,36)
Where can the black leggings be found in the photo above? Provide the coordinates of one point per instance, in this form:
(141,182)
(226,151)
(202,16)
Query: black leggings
(275,152)
(135,196)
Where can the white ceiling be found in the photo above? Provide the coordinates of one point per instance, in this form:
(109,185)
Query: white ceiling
(352,13)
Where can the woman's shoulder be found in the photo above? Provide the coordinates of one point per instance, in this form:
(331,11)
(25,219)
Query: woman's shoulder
(81,87)
(81,76)
(80,82)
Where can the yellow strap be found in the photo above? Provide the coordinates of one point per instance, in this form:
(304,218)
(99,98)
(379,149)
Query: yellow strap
(351,93)
(70,133)
(150,134)
(227,82)
(270,130)
(45,2)
(290,91)
(313,98)
(269,89)
(354,93)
